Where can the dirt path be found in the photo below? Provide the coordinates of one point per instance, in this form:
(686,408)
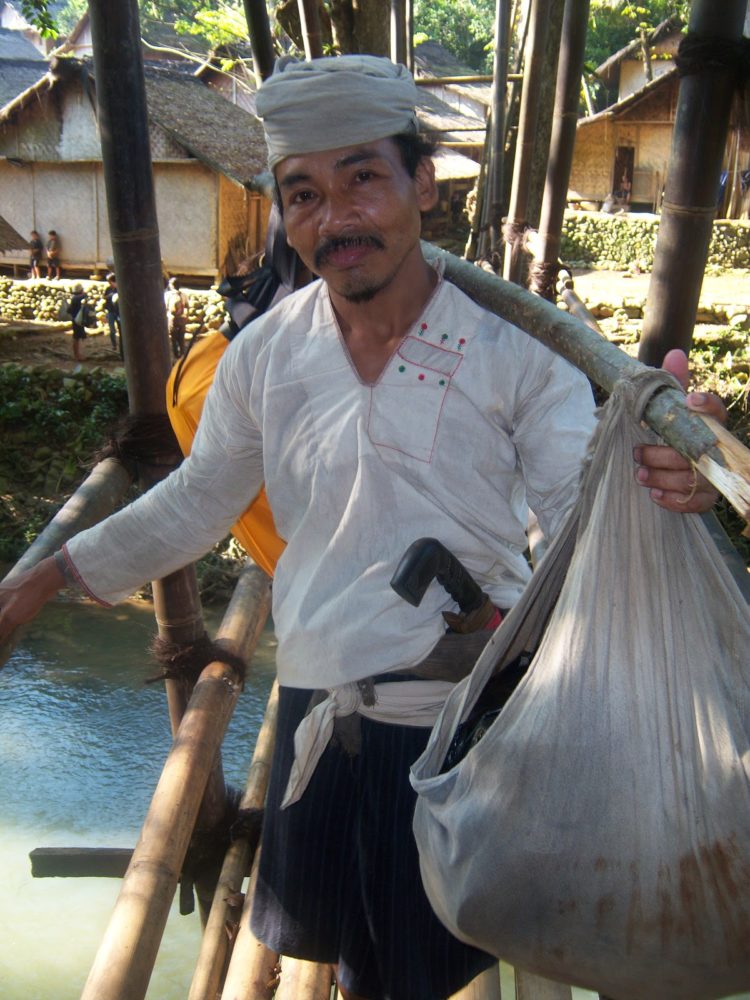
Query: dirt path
(50,345)
(612,286)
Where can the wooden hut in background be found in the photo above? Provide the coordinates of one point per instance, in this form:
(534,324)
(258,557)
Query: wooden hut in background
(205,152)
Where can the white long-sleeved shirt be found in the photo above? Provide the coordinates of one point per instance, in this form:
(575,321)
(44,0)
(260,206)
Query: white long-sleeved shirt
(471,421)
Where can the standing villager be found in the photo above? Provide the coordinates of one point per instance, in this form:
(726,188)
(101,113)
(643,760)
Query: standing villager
(35,254)
(77,312)
(379,404)
(112,309)
(54,268)
(176,303)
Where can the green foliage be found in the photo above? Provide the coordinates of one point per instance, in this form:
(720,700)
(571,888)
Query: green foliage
(37,13)
(464,27)
(51,424)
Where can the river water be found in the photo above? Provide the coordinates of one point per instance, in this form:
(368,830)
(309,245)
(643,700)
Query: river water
(82,744)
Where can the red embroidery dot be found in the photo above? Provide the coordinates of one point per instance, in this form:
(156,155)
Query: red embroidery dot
(421,378)
(462,340)
(424,326)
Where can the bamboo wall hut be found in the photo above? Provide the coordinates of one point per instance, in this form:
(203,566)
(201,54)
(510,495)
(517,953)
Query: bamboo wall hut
(630,139)
(205,152)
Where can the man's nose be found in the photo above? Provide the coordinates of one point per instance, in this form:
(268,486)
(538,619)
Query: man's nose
(337,213)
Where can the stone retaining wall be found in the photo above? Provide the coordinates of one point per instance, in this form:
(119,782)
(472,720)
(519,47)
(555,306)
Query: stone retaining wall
(41,300)
(621,242)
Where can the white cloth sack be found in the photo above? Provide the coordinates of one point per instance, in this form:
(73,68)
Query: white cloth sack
(599,833)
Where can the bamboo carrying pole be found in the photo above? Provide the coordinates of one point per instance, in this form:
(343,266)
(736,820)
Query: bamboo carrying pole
(692,186)
(223,922)
(126,956)
(712,449)
(95,499)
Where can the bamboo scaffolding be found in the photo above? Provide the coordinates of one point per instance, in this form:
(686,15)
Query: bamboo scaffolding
(304,980)
(565,117)
(527,121)
(709,446)
(490,239)
(691,189)
(126,956)
(223,923)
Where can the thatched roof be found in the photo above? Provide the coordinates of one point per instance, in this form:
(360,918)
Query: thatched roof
(15,45)
(671,26)
(10,239)
(452,165)
(207,125)
(19,75)
(438,118)
(629,102)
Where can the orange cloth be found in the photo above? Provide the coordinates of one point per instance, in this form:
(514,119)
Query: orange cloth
(255,530)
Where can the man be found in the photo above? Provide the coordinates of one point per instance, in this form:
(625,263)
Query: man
(378,405)
(54,268)
(176,303)
(35,254)
(112,309)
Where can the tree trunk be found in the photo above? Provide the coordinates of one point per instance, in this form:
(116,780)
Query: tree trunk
(361,26)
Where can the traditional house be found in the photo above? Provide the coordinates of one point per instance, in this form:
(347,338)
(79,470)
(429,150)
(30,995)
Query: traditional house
(206,157)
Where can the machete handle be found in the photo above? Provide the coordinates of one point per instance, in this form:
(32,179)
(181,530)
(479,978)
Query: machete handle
(426,560)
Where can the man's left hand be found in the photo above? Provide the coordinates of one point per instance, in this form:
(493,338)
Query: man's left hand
(671,480)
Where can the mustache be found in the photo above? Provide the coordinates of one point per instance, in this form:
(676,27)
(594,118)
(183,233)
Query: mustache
(333,243)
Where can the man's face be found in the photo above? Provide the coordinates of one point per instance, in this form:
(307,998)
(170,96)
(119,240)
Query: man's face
(354,214)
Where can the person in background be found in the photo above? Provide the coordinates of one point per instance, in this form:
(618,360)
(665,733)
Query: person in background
(176,302)
(54,269)
(378,404)
(35,254)
(76,310)
(112,309)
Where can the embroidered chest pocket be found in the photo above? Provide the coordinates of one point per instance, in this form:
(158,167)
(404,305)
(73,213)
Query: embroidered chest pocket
(406,404)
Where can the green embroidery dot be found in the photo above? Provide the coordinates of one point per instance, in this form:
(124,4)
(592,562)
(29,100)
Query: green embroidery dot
(442,381)
(401,368)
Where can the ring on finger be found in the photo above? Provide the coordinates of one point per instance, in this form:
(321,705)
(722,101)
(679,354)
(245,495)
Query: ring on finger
(693,488)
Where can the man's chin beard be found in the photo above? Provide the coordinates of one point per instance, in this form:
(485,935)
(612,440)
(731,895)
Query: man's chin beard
(361,295)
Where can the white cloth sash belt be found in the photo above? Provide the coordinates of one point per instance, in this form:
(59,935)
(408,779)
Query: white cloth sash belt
(402,703)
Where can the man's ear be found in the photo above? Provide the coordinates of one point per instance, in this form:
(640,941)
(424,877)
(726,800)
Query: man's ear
(425,184)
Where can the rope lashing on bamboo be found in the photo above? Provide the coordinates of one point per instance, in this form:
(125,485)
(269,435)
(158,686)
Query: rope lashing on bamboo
(143,439)
(543,277)
(705,54)
(186,661)
(205,854)
(515,232)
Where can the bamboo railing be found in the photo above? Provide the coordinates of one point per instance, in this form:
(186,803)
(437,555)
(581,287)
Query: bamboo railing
(126,956)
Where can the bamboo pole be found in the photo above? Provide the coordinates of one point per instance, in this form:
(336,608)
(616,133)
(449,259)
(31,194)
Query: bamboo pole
(126,956)
(485,986)
(310,24)
(570,68)
(223,923)
(691,189)
(261,40)
(398,31)
(711,448)
(304,980)
(95,499)
(253,968)
(527,121)
(490,239)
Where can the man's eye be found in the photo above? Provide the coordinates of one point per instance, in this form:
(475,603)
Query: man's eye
(364,175)
(301,196)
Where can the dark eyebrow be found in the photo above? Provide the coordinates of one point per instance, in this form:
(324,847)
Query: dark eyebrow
(361,156)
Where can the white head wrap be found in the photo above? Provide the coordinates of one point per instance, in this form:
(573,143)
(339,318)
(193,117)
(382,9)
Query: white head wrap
(337,101)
